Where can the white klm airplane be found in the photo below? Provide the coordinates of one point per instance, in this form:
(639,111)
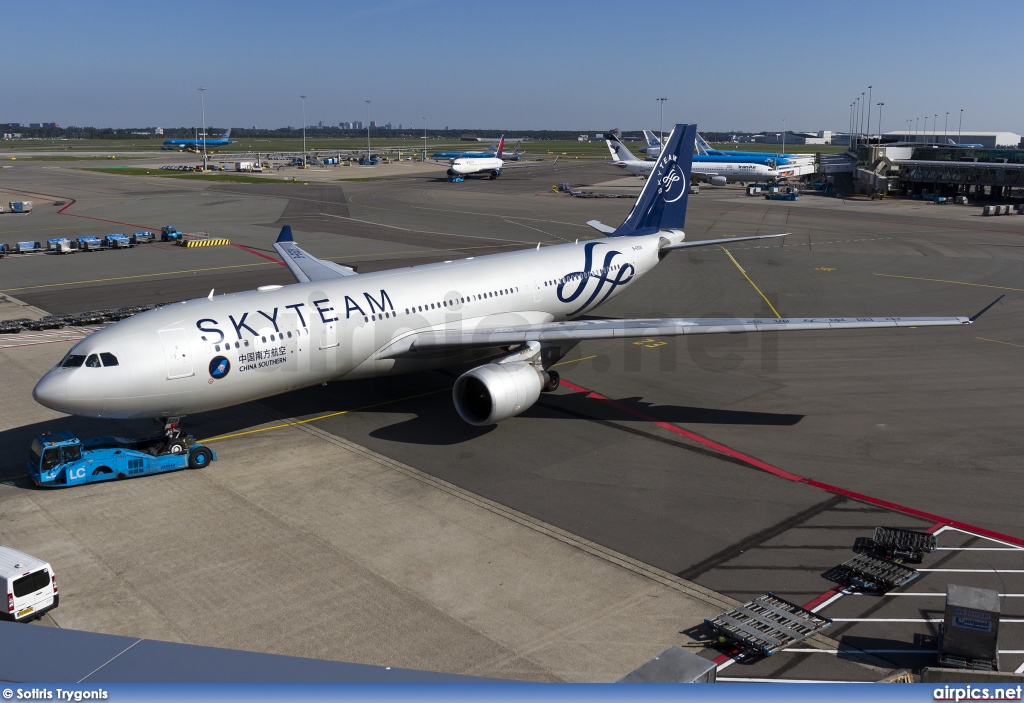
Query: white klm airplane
(718,173)
(333,324)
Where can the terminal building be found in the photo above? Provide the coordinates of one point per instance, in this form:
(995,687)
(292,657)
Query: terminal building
(945,171)
(991,140)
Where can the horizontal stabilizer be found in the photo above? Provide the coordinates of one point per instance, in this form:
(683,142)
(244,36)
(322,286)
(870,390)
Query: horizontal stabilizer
(600,226)
(706,242)
(303,265)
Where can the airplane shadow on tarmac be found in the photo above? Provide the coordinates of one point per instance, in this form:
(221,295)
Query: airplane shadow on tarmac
(425,396)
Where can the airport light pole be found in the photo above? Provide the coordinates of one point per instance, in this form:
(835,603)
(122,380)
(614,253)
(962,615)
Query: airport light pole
(367,132)
(868,125)
(850,140)
(424,140)
(303,130)
(917,123)
(880,105)
(662,128)
(856,118)
(924,132)
(202,102)
(945,129)
(960,128)
(860,129)
(783,135)
(935,128)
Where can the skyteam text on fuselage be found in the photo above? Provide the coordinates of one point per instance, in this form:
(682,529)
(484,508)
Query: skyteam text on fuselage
(525,309)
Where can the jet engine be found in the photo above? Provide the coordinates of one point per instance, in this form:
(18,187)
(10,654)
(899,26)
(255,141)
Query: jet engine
(718,180)
(495,173)
(451,172)
(494,392)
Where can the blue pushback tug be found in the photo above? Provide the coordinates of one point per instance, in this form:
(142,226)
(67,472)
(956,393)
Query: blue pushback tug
(60,459)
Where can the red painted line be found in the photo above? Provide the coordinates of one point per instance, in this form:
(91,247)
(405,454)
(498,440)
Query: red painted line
(776,471)
(934,527)
(116,222)
(61,211)
(259,253)
(822,598)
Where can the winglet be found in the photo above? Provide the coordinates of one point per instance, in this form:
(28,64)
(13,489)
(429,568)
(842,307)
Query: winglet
(985,309)
(286,234)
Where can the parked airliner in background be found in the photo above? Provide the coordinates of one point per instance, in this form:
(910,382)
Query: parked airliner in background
(528,307)
(966,146)
(706,155)
(718,173)
(222,140)
(488,165)
(492,150)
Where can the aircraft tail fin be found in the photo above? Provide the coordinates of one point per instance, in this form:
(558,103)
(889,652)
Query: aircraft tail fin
(652,139)
(702,146)
(619,150)
(227,134)
(951,142)
(662,202)
(501,146)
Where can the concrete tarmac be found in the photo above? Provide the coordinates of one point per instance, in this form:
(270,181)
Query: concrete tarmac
(897,425)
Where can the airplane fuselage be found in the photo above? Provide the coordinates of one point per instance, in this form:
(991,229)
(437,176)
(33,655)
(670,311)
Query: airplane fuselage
(470,166)
(732,172)
(206,354)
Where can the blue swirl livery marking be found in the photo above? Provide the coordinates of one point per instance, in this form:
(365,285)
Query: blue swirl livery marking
(672,182)
(603,276)
(219,367)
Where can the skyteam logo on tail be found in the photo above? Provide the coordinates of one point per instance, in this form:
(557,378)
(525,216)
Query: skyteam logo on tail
(672,184)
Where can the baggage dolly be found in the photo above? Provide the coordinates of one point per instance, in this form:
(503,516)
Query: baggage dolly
(766,625)
(872,574)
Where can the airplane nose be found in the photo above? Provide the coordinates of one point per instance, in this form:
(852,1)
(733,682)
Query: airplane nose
(51,391)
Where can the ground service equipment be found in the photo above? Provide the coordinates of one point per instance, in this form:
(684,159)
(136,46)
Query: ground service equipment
(969,638)
(871,574)
(21,206)
(143,237)
(28,247)
(89,242)
(61,245)
(60,459)
(903,545)
(766,625)
(29,583)
(118,241)
(169,233)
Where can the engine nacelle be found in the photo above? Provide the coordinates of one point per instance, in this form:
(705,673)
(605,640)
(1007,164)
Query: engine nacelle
(718,180)
(495,392)
(451,172)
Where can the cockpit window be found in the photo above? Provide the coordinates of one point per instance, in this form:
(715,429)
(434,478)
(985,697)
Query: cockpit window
(108,359)
(73,361)
(93,362)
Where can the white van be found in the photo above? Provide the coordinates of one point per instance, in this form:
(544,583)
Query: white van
(29,583)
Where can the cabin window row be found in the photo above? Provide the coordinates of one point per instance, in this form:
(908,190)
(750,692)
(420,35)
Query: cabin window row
(280,336)
(427,307)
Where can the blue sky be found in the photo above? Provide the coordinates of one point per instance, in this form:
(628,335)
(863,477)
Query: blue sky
(519,65)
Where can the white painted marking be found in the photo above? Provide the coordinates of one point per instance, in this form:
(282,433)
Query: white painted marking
(830,601)
(1019,669)
(1001,620)
(977,571)
(932,595)
(978,549)
(991,539)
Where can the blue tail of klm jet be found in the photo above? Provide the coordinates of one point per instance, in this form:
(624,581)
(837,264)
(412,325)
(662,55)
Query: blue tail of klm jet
(662,202)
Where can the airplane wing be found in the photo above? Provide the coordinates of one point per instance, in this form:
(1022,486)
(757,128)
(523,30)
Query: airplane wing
(529,164)
(437,342)
(306,267)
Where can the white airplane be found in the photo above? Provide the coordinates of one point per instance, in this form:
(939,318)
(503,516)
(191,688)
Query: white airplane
(718,173)
(490,165)
(526,306)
